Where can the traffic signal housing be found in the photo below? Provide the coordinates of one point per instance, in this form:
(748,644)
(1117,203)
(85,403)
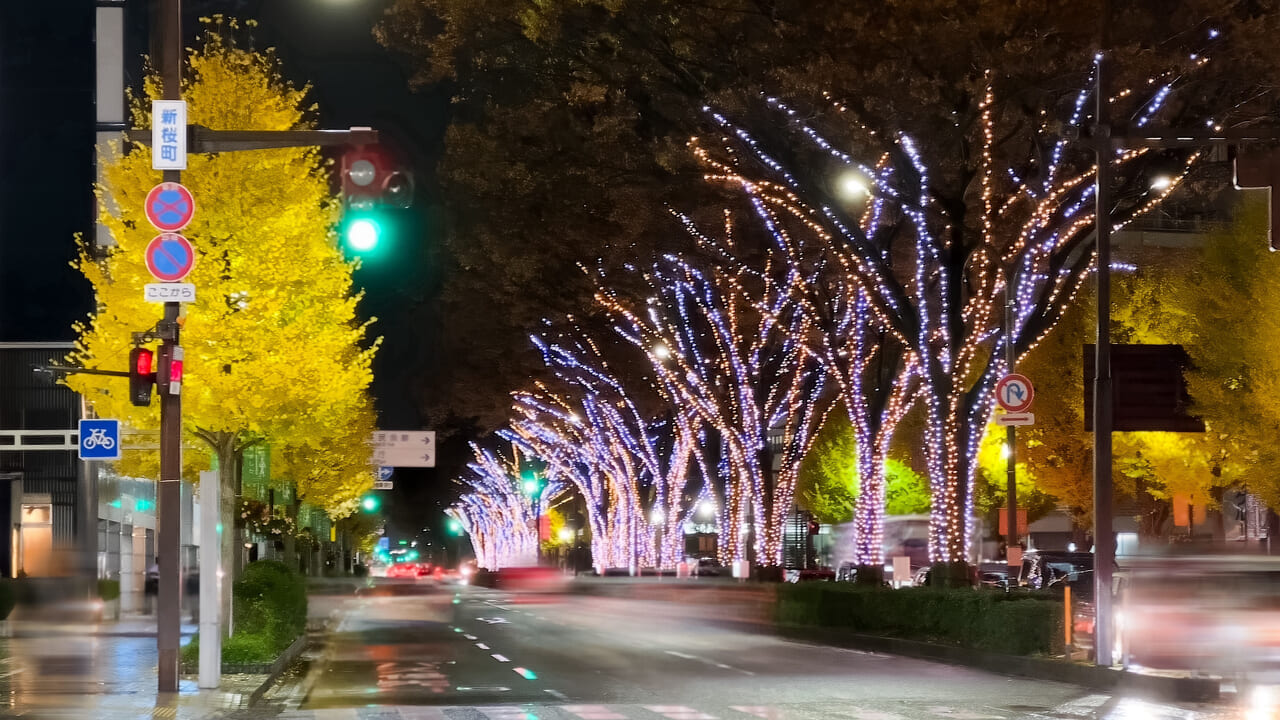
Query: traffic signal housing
(142,376)
(371,180)
(373,187)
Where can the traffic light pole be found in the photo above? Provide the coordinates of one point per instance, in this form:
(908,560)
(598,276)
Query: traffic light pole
(169,505)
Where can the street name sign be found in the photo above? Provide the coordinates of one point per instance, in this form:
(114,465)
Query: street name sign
(169,207)
(382,484)
(169,257)
(169,292)
(404,448)
(168,135)
(99,439)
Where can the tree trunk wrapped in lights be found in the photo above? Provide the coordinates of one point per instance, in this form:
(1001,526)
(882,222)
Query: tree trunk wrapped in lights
(719,340)
(933,272)
(497,514)
(637,475)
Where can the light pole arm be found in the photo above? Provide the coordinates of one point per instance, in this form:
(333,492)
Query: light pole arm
(204,140)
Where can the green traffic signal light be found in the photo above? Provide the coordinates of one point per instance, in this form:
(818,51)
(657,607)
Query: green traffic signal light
(455,527)
(362,234)
(370,503)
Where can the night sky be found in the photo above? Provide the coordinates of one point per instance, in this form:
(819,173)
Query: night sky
(46,150)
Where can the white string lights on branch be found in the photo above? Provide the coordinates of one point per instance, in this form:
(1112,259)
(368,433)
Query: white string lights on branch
(900,272)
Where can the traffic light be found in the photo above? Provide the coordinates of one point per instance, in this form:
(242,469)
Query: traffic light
(370,503)
(373,185)
(141,376)
(168,374)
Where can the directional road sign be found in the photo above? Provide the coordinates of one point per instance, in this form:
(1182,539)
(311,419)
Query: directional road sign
(99,439)
(169,257)
(384,473)
(1014,393)
(404,448)
(170,206)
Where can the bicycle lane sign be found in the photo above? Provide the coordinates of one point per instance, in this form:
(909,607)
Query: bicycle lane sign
(99,439)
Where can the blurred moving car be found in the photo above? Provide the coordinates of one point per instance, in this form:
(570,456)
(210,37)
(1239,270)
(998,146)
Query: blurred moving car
(1218,614)
(404,570)
(531,580)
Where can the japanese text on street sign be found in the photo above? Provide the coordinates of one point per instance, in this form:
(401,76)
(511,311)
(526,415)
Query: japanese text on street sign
(404,448)
(169,292)
(99,439)
(168,135)
(383,484)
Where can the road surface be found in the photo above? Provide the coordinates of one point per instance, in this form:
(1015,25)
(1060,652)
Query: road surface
(445,653)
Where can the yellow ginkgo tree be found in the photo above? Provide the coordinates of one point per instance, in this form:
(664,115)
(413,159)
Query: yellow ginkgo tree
(274,349)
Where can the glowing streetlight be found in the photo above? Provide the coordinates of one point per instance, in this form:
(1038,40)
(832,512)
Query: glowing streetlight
(1160,183)
(662,352)
(853,185)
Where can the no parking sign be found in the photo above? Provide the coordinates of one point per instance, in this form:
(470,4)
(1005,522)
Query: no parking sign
(170,206)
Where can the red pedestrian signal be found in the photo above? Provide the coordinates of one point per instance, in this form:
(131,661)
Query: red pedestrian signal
(141,376)
(169,371)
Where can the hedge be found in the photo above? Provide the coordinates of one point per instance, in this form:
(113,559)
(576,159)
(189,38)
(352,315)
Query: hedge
(270,605)
(1011,623)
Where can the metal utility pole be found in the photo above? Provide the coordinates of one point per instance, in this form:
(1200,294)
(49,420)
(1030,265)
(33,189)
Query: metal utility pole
(169,503)
(1103,537)
(1011,433)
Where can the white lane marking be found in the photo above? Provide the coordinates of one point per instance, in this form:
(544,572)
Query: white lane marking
(592,712)
(482,646)
(713,663)
(469,637)
(1084,707)
(947,712)
(421,713)
(860,714)
(556,694)
(499,658)
(679,712)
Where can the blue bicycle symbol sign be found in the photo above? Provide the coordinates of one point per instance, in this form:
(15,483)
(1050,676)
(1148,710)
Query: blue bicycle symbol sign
(99,439)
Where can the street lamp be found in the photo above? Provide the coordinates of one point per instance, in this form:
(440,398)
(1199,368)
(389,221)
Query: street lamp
(853,185)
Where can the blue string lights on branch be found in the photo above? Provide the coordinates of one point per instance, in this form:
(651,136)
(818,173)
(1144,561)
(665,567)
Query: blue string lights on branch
(1036,229)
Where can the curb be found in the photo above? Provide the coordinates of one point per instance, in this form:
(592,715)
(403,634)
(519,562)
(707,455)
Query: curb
(278,667)
(1089,676)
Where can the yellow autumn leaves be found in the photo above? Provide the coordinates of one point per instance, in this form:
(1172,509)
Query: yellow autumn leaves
(274,346)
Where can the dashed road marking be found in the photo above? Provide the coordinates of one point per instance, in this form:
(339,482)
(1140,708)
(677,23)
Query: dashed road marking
(499,657)
(679,712)
(482,646)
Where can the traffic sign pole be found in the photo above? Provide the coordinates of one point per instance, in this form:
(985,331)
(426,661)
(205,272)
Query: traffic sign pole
(169,595)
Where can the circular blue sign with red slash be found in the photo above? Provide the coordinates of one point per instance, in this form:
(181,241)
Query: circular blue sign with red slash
(170,206)
(170,257)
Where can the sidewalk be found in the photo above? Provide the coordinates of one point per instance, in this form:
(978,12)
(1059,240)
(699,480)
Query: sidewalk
(103,670)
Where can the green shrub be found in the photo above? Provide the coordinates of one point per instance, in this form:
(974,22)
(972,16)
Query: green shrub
(1012,623)
(249,648)
(270,600)
(270,605)
(109,590)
